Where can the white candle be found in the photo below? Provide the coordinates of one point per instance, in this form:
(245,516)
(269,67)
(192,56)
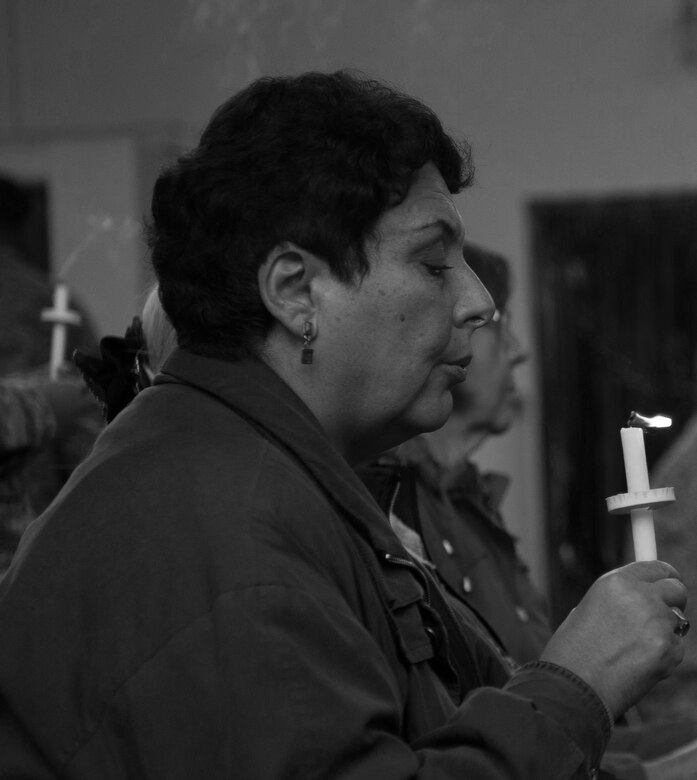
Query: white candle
(60,316)
(636,469)
(58,335)
(643,535)
(635,459)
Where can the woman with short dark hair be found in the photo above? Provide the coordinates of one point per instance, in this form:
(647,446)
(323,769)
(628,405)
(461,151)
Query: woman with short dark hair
(215,594)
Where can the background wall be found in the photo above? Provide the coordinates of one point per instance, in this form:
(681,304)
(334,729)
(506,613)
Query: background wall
(557,97)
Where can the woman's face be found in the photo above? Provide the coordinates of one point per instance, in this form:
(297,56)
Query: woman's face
(393,345)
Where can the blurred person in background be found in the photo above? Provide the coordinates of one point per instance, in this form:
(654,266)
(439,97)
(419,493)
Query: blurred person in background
(128,364)
(47,427)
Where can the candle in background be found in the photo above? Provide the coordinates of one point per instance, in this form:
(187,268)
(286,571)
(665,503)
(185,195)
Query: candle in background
(639,497)
(61,316)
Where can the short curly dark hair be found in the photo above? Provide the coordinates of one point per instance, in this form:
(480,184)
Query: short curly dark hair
(312,159)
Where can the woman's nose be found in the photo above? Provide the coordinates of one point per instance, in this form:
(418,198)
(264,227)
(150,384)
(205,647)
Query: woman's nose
(475,306)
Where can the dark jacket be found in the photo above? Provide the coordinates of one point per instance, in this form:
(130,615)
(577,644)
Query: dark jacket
(216,595)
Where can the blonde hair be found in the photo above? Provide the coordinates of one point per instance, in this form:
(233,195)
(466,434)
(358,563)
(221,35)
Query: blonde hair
(158,332)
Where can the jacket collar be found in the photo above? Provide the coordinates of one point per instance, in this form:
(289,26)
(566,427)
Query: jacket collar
(252,389)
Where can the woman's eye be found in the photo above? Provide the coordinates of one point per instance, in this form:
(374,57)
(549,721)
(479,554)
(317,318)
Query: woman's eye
(437,270)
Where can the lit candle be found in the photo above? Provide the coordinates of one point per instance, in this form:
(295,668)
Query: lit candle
(635,459)
(636,469)
(61,316)
(640,499)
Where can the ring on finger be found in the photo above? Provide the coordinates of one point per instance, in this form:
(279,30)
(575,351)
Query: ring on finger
(683,624)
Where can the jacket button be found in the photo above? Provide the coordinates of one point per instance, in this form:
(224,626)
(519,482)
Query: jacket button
(467,584)
(447,546)
(522,614)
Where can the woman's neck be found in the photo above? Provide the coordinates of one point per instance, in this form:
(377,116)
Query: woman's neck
(454,442)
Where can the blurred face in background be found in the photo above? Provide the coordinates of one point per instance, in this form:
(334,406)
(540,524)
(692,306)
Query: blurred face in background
(489,399)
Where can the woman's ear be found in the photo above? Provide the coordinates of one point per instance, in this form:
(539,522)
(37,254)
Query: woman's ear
(286,284)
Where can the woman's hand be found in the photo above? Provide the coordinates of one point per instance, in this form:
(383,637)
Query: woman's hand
(621,638)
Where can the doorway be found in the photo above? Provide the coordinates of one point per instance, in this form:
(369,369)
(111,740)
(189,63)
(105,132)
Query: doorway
(616,319)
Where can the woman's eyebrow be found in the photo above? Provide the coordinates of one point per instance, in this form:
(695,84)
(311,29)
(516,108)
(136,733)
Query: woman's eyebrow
(453,229)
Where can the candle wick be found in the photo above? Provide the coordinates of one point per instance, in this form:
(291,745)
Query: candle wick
(635,420)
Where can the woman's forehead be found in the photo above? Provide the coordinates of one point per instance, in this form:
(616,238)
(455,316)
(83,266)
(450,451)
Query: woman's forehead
(428,206)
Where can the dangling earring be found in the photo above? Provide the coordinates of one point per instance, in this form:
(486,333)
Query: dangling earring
(307,352)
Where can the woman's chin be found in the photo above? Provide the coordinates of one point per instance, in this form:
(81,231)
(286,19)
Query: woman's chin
(430,417)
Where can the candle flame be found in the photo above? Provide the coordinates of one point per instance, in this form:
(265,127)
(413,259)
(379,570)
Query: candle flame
(637,420)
